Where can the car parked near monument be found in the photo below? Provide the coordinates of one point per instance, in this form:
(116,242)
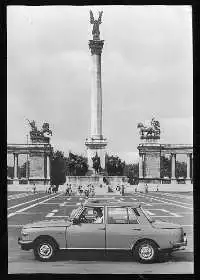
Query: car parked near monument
(104,225)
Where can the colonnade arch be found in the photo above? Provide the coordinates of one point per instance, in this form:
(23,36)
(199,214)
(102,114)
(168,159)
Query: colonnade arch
(38,156)
(149,161)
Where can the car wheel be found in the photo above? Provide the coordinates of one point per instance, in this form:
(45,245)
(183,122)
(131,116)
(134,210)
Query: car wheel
(146,251)
(45,250)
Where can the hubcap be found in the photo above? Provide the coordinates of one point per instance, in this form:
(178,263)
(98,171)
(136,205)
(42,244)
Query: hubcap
(45,251)
(146,252)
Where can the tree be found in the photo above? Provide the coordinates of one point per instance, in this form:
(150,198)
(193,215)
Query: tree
(132,172)
(181,169)
(114,166)
(165,167)
(76,165)
(10,171)
(58,169)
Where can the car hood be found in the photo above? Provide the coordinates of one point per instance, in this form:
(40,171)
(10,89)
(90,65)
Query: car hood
(165,225)
(49,223)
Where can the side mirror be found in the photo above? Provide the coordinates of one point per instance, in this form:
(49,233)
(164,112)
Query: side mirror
(76,221)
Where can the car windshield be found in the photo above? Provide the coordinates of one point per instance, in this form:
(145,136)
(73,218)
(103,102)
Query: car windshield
(75,212)
(149,218)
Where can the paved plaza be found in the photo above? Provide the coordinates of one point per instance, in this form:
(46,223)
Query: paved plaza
(25,207)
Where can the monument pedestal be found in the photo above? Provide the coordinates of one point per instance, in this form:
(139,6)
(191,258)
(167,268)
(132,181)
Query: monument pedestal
(173,181)
(95,146)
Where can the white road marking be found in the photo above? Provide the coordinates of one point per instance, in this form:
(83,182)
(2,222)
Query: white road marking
(31,213)
(62,204)
(21,195)
(185,213)
(55,216)
(49,203)
(31,206)
(167,199)
(165,211)
(52,213)
(55,210)
(148,212)
(17,205)
(166,202)
(146,204)
(49,215)
(177,195)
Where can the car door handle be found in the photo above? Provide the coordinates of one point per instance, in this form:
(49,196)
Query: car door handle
(102,228)
(136,228)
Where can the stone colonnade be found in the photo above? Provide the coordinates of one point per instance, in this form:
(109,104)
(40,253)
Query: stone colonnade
(173,150)
(35,153)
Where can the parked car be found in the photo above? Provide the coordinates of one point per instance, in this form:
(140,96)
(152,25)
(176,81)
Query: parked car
(104,225)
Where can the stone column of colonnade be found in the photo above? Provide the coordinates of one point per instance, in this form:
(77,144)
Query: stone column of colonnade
(15,166)
(141,159)
(48,167)
(189,163)
(173,168)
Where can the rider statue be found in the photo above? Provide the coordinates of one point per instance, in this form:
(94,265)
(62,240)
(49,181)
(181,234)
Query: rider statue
(36,134)
(153,130)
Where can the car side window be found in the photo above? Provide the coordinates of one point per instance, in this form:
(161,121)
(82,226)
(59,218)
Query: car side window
(132,217)
(117,215)
(92,215)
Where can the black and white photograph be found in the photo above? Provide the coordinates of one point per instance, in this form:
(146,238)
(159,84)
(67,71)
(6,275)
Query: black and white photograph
(100,139)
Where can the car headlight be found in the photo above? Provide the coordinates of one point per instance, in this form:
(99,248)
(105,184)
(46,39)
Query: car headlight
(184,238)
(25,235)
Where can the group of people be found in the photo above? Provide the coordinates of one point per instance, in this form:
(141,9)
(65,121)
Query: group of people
(52,189)
(120,189)
(68,190)
(86,190)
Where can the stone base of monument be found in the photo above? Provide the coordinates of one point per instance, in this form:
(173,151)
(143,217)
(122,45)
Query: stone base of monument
(15,181)
(143,181)
(39,181)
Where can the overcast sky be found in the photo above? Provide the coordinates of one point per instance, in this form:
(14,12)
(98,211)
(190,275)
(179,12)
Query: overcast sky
(146,71)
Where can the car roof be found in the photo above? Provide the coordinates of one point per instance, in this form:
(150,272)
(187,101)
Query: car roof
(109,202)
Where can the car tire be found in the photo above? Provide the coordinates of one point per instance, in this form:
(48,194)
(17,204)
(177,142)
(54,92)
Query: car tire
(45,250)
(146,251)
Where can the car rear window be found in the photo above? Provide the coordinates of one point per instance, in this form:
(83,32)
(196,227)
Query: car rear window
(121,215)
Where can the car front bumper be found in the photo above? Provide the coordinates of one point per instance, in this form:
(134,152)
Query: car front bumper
(25,244)
(179,245)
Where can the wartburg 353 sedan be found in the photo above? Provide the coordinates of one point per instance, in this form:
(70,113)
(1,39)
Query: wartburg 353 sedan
(104,225)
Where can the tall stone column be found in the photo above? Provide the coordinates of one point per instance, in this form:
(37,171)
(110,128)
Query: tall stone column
(173,168)
(140,166)
(96,89)
(96,143)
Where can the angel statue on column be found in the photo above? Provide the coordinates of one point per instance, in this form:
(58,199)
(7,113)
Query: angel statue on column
(96,23)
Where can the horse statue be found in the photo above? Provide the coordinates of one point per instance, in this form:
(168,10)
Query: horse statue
(152,130)
(45,129)
(36,133)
